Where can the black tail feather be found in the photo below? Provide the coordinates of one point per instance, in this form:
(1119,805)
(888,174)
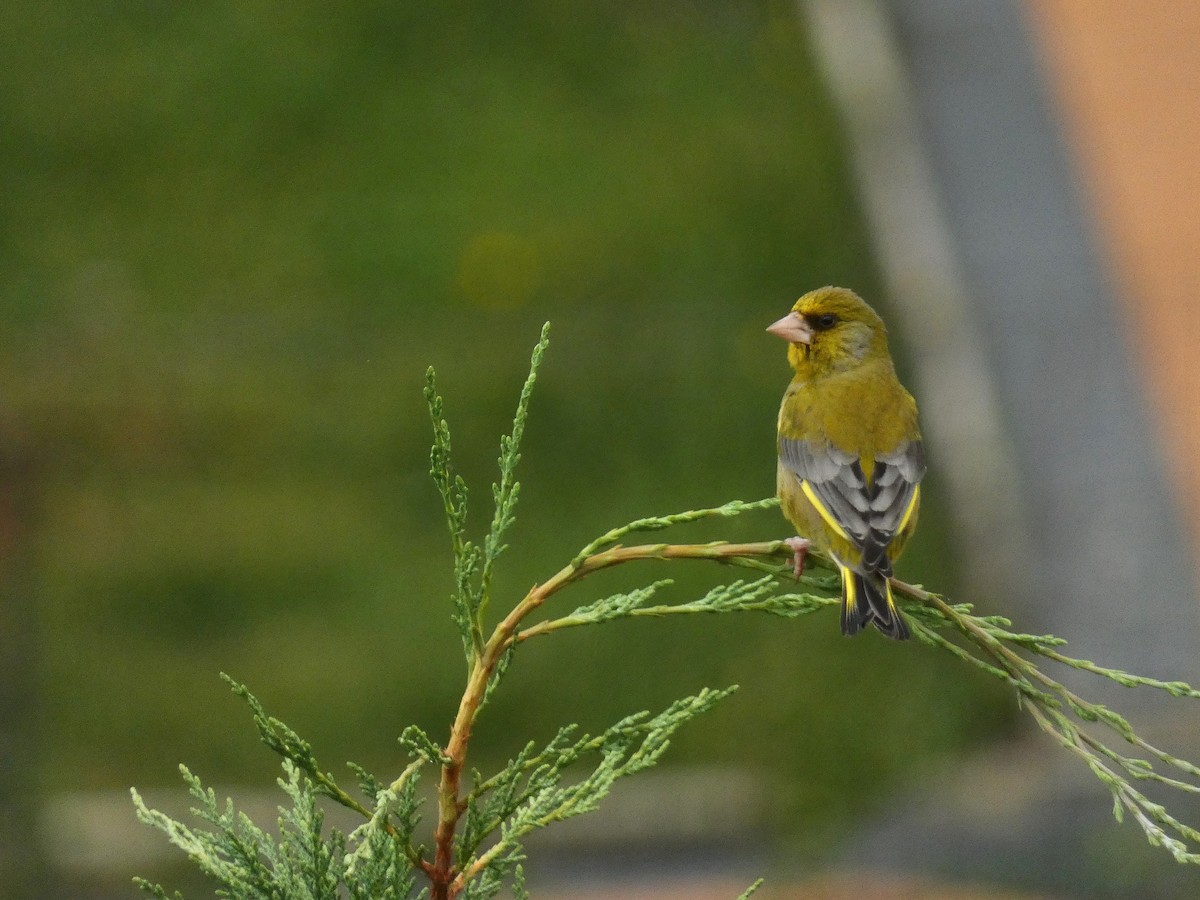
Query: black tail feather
(867,599)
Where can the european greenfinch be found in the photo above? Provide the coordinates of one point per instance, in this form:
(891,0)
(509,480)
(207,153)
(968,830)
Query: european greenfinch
(850,452)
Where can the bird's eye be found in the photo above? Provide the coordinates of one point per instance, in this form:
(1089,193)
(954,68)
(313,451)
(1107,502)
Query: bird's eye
(823,322)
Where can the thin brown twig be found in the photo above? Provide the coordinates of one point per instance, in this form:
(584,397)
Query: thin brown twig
(446,879)
(449,880)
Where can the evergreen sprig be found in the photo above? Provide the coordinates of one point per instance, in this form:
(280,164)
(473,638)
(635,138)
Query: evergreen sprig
(477,840)
(760,595)
(506,491)
(294,749)
(474,564)
(468,557)
(1065,716)
(529,793)
(247,861)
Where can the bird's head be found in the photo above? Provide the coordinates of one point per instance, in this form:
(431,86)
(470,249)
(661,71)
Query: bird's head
(831,329)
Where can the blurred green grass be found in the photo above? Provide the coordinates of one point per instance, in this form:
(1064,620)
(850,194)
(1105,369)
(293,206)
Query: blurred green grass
(236,234)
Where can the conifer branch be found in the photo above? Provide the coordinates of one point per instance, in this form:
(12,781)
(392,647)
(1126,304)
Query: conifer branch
(478,833)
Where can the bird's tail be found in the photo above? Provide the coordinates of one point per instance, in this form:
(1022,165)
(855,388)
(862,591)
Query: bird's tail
(867,599)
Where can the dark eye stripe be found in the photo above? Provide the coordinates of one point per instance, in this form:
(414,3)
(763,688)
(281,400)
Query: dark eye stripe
(823,322)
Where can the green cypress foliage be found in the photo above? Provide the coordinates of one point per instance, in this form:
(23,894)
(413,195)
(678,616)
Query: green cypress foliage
(475,842)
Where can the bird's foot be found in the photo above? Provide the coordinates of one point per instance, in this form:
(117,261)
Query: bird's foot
(799,547)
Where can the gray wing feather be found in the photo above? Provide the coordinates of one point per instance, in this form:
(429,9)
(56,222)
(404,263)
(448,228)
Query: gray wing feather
(870,514)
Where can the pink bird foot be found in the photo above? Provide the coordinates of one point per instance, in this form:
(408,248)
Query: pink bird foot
(799,547)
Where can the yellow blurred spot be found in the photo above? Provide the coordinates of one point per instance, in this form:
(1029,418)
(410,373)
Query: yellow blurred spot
(499,270)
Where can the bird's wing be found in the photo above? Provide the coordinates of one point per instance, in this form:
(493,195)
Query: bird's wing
(868,515)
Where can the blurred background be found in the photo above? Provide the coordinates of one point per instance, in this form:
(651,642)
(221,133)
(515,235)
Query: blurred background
(236,234)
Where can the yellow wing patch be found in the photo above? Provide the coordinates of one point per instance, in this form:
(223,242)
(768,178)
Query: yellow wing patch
(912,507)
(825,513)
(891,601)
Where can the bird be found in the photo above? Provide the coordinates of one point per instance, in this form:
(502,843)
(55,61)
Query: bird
(850,454)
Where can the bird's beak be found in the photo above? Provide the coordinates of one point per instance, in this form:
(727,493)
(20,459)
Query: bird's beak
(792,328)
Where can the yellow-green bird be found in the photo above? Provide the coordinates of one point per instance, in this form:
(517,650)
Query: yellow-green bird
(850,452)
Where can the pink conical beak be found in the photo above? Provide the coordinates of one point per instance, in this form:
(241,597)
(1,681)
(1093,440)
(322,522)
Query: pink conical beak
(792,328)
